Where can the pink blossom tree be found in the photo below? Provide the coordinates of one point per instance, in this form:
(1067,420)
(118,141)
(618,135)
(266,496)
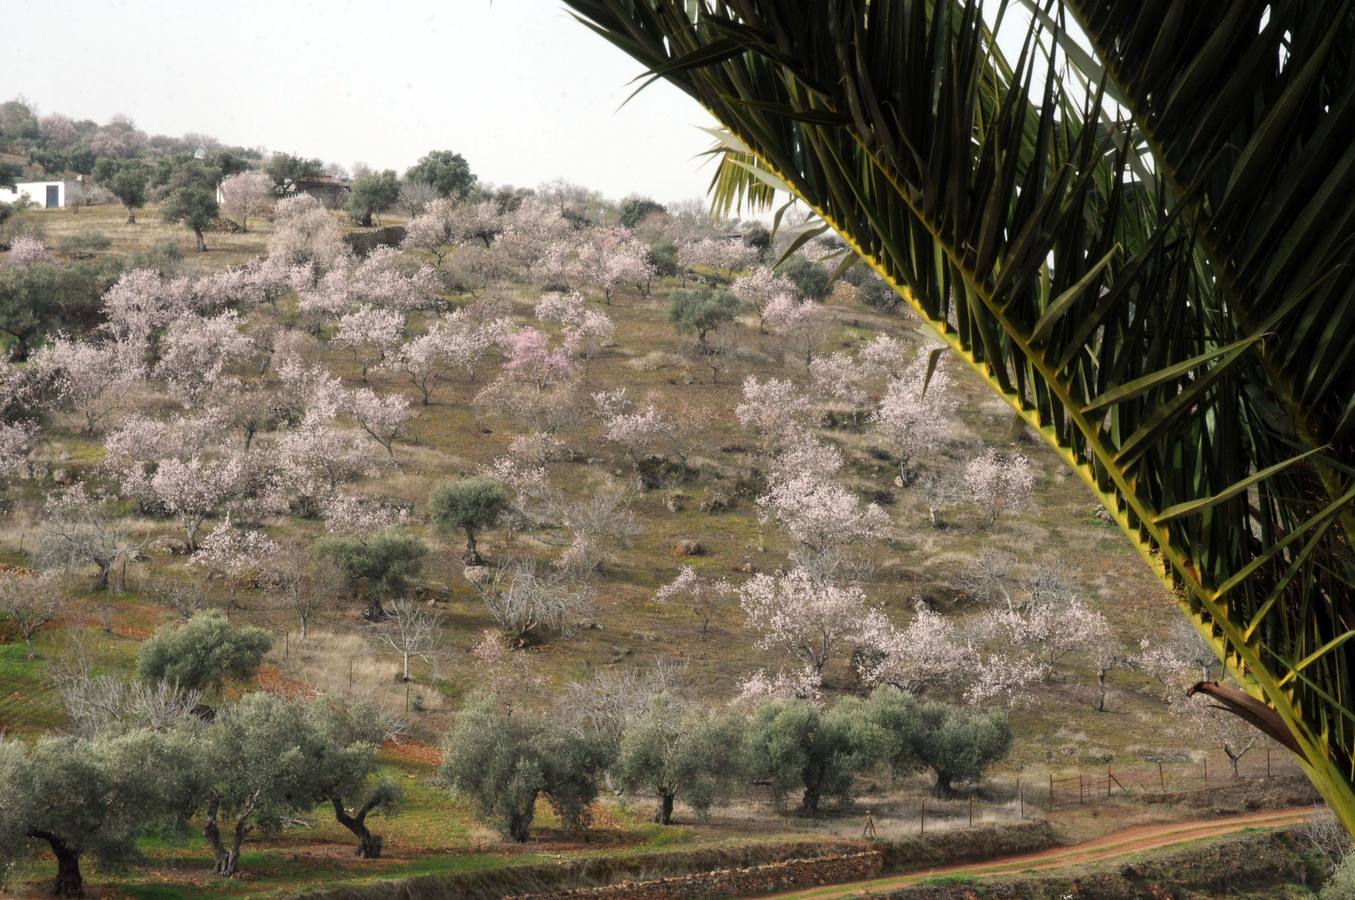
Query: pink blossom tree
(703,597)
(236,554)
(914,415)
(317,457)
(928,654)
(808,619)
(89,378)
(999,483)
(758,287)
(16,445)
(722,257)
(247,194)
(195,489)
(28,250)
(384,417)
(804,683)
(775,410)
(304,232)
(837,378)
(820,513)
(350,515)
(802,324)
(196,353)
(370,333)
(611,257)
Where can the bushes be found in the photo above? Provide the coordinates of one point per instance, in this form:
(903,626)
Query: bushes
(811,279)
(702,311)
(873,292)
(502,763)
(203,652)
(376,568)
(958,744)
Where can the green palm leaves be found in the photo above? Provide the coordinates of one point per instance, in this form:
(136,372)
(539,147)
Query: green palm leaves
(1176,322)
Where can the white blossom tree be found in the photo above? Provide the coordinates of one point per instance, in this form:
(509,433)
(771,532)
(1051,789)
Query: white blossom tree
(247,194)
(999,483)
(703,597)
(808,619)
(914,416)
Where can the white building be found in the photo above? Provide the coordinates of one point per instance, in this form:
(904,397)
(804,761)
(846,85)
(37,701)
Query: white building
(46,194)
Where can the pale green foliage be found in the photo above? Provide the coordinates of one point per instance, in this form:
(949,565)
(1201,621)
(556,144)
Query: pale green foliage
(502,763)
(958,744)
(793,744)
(470,505)
(90,795)
(203,652)
(381,565)
(885,728)
(673,751)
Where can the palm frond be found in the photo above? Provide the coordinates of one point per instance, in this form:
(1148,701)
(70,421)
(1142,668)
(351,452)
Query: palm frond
(1181,332)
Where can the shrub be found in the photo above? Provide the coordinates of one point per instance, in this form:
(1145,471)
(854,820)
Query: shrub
(203,652)
(663,256)
(470,505)
(502,763)
(873,292)
(958,744)
(811,279)
(376,568)
(84,243)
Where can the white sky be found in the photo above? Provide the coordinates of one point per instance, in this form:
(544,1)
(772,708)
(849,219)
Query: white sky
(518,87)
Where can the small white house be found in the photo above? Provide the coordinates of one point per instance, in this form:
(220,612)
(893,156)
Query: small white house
(46,194)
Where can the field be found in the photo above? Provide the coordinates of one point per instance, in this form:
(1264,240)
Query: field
(1058,736)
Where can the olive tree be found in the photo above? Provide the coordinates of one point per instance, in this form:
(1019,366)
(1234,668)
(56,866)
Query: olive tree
(959,744)
(372,193)
(672,750)
(259,765)
(203,652)
(347,736)
(445,172)
(503,763)
(469,505)
(126,179)
(92,796)
(792,744)
(701,311)
(376,568)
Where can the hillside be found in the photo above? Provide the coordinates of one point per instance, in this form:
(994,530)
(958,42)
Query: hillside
(703,492)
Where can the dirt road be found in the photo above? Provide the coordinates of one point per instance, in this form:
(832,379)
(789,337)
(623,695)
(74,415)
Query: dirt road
(1119,843)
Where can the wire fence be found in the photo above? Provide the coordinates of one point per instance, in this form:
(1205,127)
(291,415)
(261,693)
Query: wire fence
(1159,778)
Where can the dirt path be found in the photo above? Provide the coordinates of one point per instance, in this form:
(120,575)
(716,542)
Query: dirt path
(1119,843)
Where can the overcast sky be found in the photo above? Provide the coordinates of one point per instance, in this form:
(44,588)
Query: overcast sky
(518,87)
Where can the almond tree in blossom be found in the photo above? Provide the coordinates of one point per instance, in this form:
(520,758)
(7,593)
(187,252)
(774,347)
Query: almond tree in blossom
(703,597)
(305,232)
(802,324)
(16,445)
(247,194)
(803,683)
(999,483)
(1051,623)
(196,353)
(641,429)
(194,489)
(837,378)
(315,458)
(914,415)
(384,417)
(775,410)
(236,554)
(370,333)
(1177,662)
(819,513)
(78,531)
(349,515)
(611,257)
(89,378)
(586,331)
(883,357)
(758,287)
(28,250)
(927,655)
(721,257)
(807,619)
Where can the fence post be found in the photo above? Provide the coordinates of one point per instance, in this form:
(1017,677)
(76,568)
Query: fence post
(1051,790)
(1108,781)
(1267,762)
(1021,797)
(1161,779)
(406,698)
(922,826)
(350,675)
(1206,770)
(1081,788)
(286,645)
(971,810)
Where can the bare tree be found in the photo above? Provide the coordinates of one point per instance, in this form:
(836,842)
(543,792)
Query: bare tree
(78,532)
(410,630)
(524,602)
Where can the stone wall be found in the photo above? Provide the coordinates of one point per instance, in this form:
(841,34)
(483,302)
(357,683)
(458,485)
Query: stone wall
(745,882)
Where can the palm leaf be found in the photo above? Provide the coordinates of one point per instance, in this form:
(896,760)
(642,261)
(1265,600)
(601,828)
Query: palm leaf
(1120,316)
